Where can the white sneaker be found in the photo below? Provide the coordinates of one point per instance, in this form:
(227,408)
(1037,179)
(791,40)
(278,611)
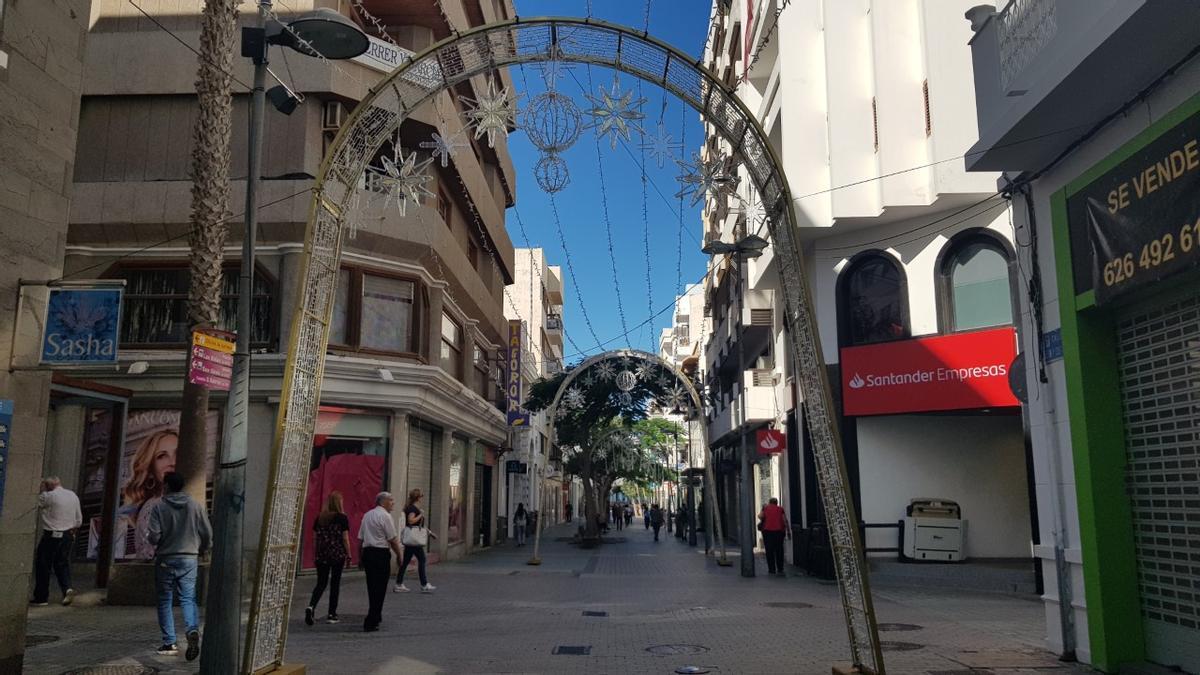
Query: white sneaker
(400,588)
(428,588)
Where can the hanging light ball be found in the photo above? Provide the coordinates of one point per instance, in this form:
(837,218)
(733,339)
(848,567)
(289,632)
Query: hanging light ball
(551,173)
(553,122)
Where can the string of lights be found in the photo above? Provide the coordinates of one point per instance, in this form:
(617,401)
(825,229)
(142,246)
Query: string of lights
(766,40)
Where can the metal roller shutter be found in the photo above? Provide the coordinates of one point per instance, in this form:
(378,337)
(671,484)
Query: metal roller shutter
(420,462)
(1159,358)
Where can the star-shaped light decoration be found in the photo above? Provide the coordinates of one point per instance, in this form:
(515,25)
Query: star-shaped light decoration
(753,209)
(589,380)
(606,371)
(663,381)
(616,113)
(703,176)
(444,148)
(626,362)
(402,179)
(674,399)
(562,412)
(645,372)
(574,398)
(555,67)
(493,112)
(661,146)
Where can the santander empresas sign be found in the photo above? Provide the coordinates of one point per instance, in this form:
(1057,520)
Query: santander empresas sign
(945,372)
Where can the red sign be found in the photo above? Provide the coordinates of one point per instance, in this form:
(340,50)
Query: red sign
(771,441)
(945,372)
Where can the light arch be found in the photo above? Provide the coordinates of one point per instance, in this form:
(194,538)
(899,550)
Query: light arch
(376,118)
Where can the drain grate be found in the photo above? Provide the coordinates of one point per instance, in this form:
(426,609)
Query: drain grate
(898,627)
(127,669)
(692,670)
(573,650)
(787,605)
(676,650)
(895,646)
(592,613)
(35,640)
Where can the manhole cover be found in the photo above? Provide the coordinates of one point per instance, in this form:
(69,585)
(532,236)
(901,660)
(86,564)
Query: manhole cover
(133,669)
(590,613)
(35,640)
(898,627)
(676,650)
(573,650)
(894,646)
(788,605)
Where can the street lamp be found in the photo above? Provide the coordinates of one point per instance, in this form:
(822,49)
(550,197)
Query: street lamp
(323,33)
(749,246)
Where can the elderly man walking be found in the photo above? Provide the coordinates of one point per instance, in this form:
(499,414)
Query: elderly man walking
(60,514)
(181,534)
(379,539)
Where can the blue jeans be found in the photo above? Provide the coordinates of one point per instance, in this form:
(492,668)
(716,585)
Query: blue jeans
(176,575)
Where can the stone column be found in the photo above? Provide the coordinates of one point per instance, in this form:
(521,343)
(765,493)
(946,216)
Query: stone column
(64,437)
(439,506)
(470,527)
(397,482)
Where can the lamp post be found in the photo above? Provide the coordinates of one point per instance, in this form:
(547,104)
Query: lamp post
(748,247)
(323,33)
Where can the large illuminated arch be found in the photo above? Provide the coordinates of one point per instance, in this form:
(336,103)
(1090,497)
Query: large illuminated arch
(373,122)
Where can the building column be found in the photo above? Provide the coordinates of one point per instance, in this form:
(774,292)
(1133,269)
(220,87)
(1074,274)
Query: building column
(397,482)
(470,527)
(439,505)
(65,429)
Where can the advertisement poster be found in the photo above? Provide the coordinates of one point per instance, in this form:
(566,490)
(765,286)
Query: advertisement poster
(151,441)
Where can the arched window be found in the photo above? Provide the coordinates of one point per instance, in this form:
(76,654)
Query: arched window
(976,281)
(872,300)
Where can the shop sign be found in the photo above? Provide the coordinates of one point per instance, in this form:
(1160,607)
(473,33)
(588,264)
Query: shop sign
(962,371)
(516,466)
(382,56)
(512,387)
(210,363)
(6,415)
(82,325)
(770,441)
(1140,221)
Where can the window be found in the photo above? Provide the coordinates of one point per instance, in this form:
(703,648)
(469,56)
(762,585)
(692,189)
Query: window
(155,310)
(473,253)
(975,279)
(482,383)
(375,313)
(443,207)
(872,301)
(451,356)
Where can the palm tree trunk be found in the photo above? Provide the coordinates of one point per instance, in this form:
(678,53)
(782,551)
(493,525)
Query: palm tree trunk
(210,213)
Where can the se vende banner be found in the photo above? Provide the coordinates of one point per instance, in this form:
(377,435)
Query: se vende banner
(945,372)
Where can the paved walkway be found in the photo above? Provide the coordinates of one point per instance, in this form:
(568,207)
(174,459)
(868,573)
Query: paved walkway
(633,607)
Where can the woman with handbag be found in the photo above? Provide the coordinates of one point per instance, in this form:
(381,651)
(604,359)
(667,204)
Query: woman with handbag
(332,538)
(415,537)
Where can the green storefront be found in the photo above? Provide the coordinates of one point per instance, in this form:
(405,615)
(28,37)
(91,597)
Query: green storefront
(1127,246)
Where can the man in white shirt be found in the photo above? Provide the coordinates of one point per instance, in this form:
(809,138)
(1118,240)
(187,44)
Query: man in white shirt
(379,539)
(59,514)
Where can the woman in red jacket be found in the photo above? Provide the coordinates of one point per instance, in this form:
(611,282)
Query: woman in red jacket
(773,524)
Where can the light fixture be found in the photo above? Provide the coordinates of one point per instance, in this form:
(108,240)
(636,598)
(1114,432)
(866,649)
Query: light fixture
(386,375)
(283,99)
(138,367)
(321,33)
(749,246)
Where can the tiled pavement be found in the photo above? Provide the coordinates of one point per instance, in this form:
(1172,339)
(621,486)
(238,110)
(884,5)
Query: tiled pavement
(665,606)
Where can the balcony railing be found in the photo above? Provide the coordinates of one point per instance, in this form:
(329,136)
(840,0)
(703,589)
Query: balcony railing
(1023,29)
(554,322)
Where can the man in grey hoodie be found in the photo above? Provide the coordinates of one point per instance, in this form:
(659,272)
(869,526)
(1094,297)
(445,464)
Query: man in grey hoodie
(180,534)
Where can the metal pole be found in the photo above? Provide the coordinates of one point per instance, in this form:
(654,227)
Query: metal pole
(745,495)
(220,649)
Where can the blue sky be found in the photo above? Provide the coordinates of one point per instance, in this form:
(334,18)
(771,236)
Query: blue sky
(593,294)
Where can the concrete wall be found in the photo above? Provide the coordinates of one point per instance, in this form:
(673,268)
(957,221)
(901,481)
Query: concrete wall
(43,45)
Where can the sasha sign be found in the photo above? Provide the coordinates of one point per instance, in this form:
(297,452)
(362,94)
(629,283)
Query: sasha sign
(82,325)
(1139,222)
(512,380)
(945,372)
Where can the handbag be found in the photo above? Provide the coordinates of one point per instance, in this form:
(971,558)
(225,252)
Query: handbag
(414,535)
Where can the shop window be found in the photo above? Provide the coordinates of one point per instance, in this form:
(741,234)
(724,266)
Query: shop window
(872,300)
(375,313)
(482,383)
(155,311)
(452,346)
(975,279)
(458,464)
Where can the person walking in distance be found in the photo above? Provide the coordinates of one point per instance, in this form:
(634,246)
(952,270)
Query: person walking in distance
(60,515)
(520,521)
(415,538)
(656,519)
(331,531)
(180,533)
(378,535)
(773,524)
(645,516)
(568,511)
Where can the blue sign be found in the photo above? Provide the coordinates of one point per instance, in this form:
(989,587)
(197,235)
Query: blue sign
(1052,349)
(6,415)
(82,325)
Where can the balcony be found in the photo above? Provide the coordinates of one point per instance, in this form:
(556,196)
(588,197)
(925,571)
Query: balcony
(760,402)
(1046,70)
(554,329)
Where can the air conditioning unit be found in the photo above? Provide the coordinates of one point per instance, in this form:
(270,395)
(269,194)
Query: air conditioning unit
(334,116)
